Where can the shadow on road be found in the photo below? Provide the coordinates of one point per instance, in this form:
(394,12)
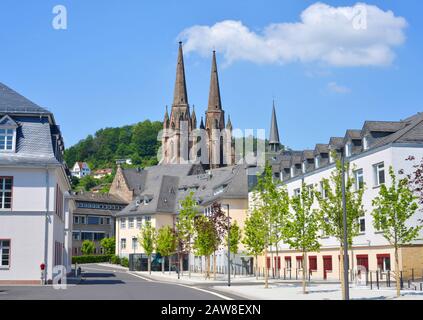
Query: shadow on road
(99,278)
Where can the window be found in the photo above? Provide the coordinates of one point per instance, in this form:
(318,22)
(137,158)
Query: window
(131,223)
(93,220)
(297,192)
(359,179)
(4,253)
(383,262)
(76,235)
(6,139)
(379,173)
(87,236)
(123,223)
(323,190)
(288,264)
(6,192)
(148,218)
(139,223)
(299,262)
(108,221)
(348,149)
(59,210)
(365,144)
(304,166)
(312,261)
(134,243)
(98,236)
(82,219)
(362,225)
(123,243)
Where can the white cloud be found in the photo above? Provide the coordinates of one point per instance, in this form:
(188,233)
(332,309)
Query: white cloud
(361,35)
(334,87)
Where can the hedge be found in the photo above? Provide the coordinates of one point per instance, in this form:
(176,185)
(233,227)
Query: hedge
(91,259)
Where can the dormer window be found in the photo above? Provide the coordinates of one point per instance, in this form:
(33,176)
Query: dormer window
(365,143)
(304,166)
(317,161)
(292,171)
(7,134)
(348,149)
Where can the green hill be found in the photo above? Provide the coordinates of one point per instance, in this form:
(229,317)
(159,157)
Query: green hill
(137,142)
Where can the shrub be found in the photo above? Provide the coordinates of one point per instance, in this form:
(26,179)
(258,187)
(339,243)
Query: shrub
(91,259)
(87,247)
(115,260)
(124,262)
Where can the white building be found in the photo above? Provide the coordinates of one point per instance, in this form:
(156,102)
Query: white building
(371,151)
(80,170)
(35,204)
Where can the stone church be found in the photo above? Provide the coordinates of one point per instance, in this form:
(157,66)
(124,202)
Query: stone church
(182,142)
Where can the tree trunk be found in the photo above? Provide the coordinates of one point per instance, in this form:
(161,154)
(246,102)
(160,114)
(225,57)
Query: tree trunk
(277,261)
(341,270)
(149,264)
(304,272)
(214,265)
(256,271)
(266,270)
(207,267)
(397,273)
(163,265)
(181,265)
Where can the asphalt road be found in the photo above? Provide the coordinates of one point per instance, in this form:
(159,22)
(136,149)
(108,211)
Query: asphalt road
(103,283)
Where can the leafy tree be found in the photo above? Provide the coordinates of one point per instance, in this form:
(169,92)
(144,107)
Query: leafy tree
(273,204)
(88,182)
(147,241)
(331,208)
(165,243)
(87,247)
(205,241)
(185,226)
(220,224)
(108,245)
(303,226)
(393,207)
(234,237)
(255,235)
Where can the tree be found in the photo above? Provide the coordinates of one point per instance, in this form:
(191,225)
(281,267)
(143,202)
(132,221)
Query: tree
(205,240)
(255,234)
(234,237)
(220,224)
(331,208)
(165,243)
(87,247)
(303,226)
(269,202)
(393,207)
(185,227)
(147,241)
(108,245)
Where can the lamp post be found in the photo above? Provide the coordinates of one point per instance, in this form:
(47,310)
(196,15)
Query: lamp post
(229,246)
(134,246)
(344,211)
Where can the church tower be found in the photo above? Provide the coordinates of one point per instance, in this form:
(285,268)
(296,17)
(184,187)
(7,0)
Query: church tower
(219,154)
(178,126)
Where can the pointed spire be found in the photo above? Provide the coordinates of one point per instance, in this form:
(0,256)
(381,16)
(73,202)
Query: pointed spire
(274,131)
(229,124)
(202,124)
(193,118)
(166,115)
(180,95)
(215,102)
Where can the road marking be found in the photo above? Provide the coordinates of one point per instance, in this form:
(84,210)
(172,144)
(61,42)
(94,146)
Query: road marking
(183,285)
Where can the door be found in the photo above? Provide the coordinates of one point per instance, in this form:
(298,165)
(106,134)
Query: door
(363,260)
(327,266)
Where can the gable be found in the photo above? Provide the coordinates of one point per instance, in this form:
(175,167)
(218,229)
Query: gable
(7,121)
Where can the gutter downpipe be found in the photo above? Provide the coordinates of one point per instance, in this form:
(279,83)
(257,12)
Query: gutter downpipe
(46,228)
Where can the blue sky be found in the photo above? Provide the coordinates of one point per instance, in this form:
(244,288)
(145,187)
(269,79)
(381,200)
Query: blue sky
(115,65)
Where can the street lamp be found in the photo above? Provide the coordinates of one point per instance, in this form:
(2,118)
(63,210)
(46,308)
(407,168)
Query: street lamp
(344,211)
(229,246)
(134,246)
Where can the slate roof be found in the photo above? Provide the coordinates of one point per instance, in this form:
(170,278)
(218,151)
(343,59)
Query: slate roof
(98,197)
(13,102)
(377,134)
(164,186)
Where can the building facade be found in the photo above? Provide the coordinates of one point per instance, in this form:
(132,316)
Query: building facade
(94,219)
(80,170)
(371,151)
(182,141)
(35,204)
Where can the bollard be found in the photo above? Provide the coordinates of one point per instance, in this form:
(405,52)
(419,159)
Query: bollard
(371,281)
(377,279)
(284,273)
(401,281)
(412,274)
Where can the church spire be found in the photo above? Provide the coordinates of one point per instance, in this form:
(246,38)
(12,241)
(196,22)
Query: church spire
(193,118)
(166,118)
(215,102)
(202,124)
(180,96)
(229,124)
(274,131)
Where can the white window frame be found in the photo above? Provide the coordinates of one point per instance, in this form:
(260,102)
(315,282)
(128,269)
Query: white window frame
(348,149)
(139,222)
(297,192)
(123,244)
(304,166)
(130,223)
(365,143)
(3,191)
(358,173)
(9,255)
(377,168)
(7,127)
(123,223)
(317,162)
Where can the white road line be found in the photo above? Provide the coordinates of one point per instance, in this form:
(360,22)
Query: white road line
(183,285)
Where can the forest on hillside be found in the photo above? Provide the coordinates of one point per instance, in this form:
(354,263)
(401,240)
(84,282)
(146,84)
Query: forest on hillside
(137,142)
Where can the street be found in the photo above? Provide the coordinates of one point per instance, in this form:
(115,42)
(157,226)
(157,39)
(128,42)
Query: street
(104,283)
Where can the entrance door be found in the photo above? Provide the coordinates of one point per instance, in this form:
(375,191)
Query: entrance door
(327,266)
